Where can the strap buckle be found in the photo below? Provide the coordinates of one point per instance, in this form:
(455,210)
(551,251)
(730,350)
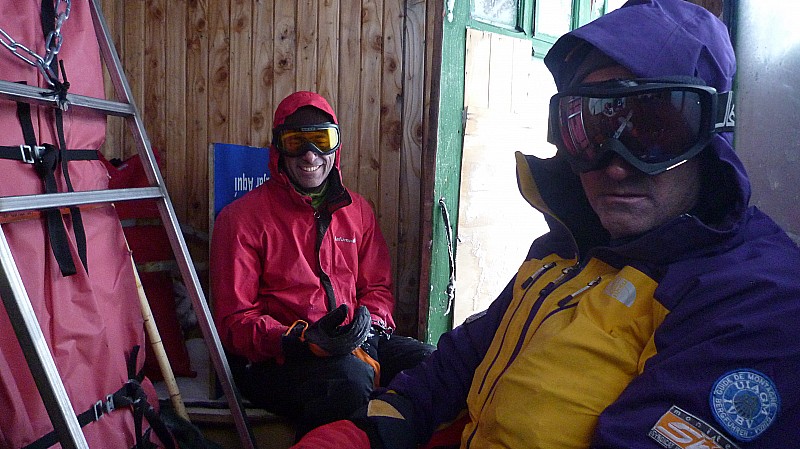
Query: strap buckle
(110,403)
(98,410)
(101,408)
(30,154)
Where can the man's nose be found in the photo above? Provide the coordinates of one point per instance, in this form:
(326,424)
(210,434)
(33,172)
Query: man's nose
(618,168)
(310,156)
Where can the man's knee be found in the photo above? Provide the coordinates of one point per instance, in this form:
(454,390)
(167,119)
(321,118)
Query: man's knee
(336,394)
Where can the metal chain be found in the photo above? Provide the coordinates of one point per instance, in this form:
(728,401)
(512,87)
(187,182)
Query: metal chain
(53,44)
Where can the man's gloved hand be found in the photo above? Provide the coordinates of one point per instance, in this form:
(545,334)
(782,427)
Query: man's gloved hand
(327,337)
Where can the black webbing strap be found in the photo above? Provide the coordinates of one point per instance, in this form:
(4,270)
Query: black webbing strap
(28,154)
(45,161)
(130,395)
(48,17)
(75,212)
(46,158)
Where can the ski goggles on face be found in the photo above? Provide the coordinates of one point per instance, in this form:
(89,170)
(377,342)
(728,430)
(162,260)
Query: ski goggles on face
(654,125)
(293,141)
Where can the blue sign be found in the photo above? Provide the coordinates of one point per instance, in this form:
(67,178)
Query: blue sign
(238,169)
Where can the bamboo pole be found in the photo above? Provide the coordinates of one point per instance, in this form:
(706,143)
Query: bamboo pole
(158,349)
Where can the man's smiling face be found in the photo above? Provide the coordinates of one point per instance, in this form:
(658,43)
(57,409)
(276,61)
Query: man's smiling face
(310,169)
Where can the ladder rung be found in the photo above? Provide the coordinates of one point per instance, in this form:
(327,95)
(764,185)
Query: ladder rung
(37,95)
(69,199)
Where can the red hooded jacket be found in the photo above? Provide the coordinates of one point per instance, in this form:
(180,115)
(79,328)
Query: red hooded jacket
(266,271)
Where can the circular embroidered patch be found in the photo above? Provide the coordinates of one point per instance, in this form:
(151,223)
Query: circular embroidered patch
(745,402)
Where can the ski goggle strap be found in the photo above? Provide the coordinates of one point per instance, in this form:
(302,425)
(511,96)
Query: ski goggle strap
(293,141)
(654,125)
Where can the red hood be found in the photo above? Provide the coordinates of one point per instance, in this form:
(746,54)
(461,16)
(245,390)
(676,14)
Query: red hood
(287,107)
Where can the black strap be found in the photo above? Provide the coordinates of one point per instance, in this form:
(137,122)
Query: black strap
(45,165)
(28,154)
(46,159)
(75,212)
(130,395)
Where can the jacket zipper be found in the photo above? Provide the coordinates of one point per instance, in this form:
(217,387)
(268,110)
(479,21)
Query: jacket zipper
(563,304)
(567,299)
(537,274)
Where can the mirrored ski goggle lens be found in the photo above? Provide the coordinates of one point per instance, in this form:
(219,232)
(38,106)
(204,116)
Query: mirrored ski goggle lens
(293,142)
(654,127)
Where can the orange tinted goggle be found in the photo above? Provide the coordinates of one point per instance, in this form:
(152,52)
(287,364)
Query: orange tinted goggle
(293,141)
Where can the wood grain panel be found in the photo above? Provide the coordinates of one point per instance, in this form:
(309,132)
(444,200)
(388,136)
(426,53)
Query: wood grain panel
(197,100)
(521,81)
(407,278)
(285,49)
(218,71)
(479,53)
(263,76)
(348,108)
(391,134)
(154,105)
(115,127)
(306,45)
(175,104)
(133,61)
(328,51)
(369,136)
(241,74)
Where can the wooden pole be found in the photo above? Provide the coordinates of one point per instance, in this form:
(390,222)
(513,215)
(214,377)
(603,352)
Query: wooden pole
(158,349)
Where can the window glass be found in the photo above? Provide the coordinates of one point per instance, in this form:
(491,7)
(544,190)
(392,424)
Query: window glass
(553,17)
(500,12)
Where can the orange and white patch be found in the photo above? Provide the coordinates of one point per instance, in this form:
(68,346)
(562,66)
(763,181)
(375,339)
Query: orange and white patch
(677,429)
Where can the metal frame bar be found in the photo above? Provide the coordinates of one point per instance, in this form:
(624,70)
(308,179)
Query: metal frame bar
(69,199)
(170,220)
(34,346)
(36,95)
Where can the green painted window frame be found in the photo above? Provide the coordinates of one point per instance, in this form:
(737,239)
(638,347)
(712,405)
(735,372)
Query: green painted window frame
(526,23)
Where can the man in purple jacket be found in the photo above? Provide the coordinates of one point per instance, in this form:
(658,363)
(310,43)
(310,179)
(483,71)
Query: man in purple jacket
(659,310)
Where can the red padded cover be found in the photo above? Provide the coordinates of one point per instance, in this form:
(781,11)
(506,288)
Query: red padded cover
(90,320)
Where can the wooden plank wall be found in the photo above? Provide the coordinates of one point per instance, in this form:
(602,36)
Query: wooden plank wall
(204,71)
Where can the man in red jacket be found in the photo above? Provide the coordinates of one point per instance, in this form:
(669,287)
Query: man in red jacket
(301,280)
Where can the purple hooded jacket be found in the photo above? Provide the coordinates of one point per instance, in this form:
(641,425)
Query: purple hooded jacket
(720,367)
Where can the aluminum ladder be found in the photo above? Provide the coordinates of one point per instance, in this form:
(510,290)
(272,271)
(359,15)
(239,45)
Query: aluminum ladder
(15,298)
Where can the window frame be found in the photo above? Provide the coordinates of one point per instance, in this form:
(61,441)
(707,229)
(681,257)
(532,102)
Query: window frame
(525,28)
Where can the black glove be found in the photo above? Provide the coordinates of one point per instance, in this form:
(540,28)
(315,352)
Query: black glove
(327,336)
(292,344)
(377,333)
